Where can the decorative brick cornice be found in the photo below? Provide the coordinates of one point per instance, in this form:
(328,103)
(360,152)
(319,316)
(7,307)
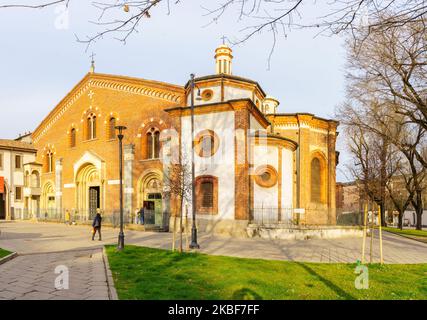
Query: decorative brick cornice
(142,87)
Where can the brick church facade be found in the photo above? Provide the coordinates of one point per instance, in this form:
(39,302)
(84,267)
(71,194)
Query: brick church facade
(252,163)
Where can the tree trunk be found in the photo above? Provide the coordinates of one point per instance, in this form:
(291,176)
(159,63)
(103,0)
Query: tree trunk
(400,223)
(418,206)
(383,221)
(419,218)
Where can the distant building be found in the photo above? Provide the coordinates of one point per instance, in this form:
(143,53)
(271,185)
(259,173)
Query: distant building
(348,197)
(17,171)
(350,200)
(25,137)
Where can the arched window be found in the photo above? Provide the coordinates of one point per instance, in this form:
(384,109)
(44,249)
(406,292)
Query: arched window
(91,127)
(73,138)
(206,143)
(153,143)
(156,144)
(35,179)
(112,128)
(207,195)
(206,189)
(316,180)
(49,161)
(27,179)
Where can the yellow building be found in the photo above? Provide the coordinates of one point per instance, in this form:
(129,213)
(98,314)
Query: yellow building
(252,164)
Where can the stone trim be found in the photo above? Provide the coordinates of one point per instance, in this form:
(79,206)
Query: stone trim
(112,293)
(9,257)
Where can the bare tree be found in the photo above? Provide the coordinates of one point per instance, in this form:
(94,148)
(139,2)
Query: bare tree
(386,94)
(178,184)
(122,18)
(370,140)
(392,67)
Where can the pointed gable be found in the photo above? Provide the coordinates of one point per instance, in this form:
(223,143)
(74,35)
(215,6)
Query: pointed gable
(158,90)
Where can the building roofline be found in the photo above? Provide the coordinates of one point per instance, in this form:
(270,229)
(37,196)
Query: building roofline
(200,106)
(301,114)
(226,76)
(13,145)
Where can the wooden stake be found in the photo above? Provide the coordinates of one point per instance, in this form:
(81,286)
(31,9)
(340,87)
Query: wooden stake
(372,232)
(173,234)
(380,235)
(186,228)
(365,217)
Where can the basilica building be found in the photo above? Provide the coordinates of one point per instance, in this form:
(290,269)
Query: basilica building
(252,163)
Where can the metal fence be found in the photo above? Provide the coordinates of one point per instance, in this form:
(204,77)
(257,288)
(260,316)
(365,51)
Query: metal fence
(109,218)
(350,218)
(265,216)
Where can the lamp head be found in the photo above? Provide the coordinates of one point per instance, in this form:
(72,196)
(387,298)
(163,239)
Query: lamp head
(199,96)
(120,129)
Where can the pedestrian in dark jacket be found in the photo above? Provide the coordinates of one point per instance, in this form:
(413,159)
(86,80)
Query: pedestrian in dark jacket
(96,224)
(141,215)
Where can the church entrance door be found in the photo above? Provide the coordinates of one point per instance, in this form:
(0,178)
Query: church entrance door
(89,191)
(150,197)
(153,209)
(94,200)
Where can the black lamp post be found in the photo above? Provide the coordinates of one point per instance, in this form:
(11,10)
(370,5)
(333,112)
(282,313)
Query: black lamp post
(193,244)
(121,243)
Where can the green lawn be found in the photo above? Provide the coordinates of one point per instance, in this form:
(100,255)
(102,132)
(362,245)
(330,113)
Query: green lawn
(407,232)
(4,253)
(145,273)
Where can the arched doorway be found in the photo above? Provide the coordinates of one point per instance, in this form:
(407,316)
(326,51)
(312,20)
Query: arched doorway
(151,198)
(89,191)
(48,200)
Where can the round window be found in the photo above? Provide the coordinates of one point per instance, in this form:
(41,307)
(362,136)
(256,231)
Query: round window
(266,176)
(207,94)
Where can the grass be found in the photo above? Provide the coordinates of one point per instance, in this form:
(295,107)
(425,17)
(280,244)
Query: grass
(4,253)
(407,232)
(154,274)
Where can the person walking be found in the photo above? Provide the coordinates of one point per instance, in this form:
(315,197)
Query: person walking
(136,216)
(97,226)
(141,215)
(67,218)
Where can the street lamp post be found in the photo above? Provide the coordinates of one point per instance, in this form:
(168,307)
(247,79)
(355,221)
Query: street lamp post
(193,244)
(121,242)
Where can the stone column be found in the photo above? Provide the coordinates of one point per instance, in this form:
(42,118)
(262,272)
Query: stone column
(58,186)
(129,156)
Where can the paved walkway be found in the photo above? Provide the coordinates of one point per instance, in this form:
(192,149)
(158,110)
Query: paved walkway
(44,246)
(32,277)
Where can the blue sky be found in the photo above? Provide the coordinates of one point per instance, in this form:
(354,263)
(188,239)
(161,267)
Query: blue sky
(39,64)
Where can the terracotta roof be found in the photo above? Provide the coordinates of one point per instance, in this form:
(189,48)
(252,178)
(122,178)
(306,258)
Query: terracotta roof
(16,145)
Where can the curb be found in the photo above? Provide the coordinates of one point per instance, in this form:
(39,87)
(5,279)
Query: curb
(407,236)
(8,258)
(110,282)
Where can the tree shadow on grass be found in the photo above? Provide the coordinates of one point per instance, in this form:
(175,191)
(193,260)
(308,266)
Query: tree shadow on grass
(246,294)
(327,282)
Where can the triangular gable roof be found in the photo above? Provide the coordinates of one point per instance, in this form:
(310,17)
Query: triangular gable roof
(157,89)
